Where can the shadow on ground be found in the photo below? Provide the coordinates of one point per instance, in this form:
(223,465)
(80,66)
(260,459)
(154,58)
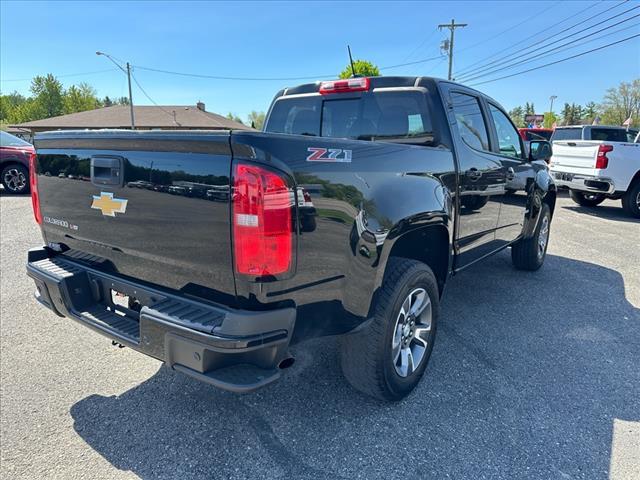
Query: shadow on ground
(606,212)
(528,373)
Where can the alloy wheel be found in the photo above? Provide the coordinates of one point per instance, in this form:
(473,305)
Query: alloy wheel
(411,333)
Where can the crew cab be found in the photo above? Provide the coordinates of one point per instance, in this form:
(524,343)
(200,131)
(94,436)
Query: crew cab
(346,216)
(595,163)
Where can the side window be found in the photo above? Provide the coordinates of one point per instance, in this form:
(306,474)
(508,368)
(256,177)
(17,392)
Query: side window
(508,138)
(471,126)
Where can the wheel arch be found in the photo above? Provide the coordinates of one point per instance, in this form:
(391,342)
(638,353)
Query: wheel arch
(430,245)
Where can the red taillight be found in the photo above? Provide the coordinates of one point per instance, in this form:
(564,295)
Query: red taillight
(262,226)
(601,160)
(359,84)
(33,185)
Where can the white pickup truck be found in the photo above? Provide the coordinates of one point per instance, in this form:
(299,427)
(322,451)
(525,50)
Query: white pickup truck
(597,162)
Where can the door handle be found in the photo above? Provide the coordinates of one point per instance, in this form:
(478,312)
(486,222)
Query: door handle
(473,173)
(106,170)
(511,173)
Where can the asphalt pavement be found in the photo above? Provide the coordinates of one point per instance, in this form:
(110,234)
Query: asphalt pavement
(533,375)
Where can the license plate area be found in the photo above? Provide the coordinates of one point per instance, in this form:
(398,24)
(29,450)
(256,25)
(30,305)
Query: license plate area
(567,177)
(123,303)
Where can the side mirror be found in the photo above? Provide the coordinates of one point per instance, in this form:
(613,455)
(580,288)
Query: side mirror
(540,150)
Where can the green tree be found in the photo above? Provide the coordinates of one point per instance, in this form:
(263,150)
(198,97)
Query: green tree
(590,112)
(529,109)
(517,115)
(123,101)
(621,103)
(362,67)
(30,110)
(234,117)
(549,119)
(256,119)
(80,98)
(107,102)
(8,103)
(48,93)
(567,115)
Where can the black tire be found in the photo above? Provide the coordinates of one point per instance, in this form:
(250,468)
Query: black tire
(367,356)
(15,179)
(529,253)
(631,200)
(586,199)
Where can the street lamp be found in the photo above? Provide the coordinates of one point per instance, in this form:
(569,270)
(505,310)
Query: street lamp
(128,72)
(552,98)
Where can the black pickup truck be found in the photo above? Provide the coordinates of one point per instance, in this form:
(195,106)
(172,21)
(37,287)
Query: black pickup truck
(216,251)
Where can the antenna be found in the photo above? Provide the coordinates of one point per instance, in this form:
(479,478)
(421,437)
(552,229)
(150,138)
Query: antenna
(353,69)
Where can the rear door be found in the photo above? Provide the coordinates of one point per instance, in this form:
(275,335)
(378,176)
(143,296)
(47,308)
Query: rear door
(482,176)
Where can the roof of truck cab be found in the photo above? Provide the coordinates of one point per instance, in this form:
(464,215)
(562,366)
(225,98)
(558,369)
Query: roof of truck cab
(380,82)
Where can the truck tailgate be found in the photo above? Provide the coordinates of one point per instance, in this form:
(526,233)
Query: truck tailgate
(149,205)
(575,156)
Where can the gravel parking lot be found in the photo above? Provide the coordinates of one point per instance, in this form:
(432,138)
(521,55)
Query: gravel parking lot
(533,375)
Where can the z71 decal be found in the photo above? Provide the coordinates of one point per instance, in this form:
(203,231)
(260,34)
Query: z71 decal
(317,154)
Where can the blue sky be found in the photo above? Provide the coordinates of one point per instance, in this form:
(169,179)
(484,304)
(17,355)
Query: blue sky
(299,39)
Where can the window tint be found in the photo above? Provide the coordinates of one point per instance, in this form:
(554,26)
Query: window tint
(470,122)
(567,134)
(508,138)
(374,116)
(609,134)
(298,116)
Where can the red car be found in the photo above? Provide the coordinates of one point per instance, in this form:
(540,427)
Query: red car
(529,134)
(15,155)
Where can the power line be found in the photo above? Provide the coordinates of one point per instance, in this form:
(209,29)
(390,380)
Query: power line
(269,79)
(507,60)
(61,76)
(571,44)
(467,69)
(537,14)
(433,32)
(152,100)
(424,60)
(557,61)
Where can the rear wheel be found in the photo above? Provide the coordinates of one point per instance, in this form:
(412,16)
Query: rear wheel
(586,199)
(631,200)
(387,358)
(529,253)
(15,179)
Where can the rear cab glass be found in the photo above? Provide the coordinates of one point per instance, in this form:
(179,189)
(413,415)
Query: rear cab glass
(384,116)
(567,134)
(609,134)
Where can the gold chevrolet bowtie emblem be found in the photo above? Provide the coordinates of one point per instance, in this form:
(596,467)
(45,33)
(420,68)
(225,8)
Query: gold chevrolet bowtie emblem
(109,205)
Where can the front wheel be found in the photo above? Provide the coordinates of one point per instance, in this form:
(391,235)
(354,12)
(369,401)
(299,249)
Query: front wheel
(388,357)
(586,199)
(529,253)
(631,200)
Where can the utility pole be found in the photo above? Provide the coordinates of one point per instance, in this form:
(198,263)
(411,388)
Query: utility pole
(451,26)
(128,72)
(552,98)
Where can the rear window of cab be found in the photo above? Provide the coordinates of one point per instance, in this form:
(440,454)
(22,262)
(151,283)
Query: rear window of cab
(390,115)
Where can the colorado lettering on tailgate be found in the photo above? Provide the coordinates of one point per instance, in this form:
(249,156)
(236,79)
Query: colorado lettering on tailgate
(318,154)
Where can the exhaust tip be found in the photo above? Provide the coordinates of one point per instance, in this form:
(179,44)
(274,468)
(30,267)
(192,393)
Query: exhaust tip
(286,363)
